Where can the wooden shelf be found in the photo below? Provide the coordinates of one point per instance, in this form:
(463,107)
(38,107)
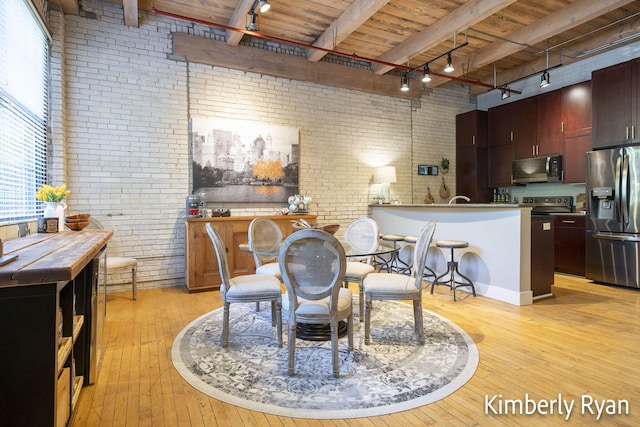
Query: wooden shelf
(64,349)
(78,321)
(77,388)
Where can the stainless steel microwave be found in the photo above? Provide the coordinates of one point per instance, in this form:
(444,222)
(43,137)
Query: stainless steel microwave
(537,169)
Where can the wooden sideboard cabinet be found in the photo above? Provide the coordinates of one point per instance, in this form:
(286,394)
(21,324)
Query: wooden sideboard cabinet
(201,267)
(51,320)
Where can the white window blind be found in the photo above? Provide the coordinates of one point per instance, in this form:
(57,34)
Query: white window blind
(24,59)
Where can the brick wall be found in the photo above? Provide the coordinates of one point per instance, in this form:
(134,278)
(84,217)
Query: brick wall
(121,134)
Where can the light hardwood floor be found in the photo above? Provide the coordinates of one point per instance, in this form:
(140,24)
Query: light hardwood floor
(582,343)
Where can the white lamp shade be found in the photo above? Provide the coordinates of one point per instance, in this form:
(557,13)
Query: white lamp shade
(384,174)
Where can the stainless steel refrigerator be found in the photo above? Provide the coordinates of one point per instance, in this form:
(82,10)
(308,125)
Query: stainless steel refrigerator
(613,216)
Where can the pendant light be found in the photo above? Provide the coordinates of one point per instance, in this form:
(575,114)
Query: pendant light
(404,82)
(449,68)
(427,74)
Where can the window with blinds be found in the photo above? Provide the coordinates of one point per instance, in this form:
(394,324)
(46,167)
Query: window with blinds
(24,59)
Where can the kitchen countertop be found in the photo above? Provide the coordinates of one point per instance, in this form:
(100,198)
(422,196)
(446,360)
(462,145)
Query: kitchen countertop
(452,206)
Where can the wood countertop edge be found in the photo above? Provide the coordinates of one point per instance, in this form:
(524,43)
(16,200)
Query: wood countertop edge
(62,262)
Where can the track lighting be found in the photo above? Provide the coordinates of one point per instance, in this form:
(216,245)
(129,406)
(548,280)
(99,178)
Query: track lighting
(263,5)
(427,74)
(253,18)
(505,92)
(449,68)
(404,82)
(544,79)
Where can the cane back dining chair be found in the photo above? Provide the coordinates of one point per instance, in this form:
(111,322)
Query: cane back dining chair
(313,265)
(362,235)
(265,237)
(397,286)
(245,288)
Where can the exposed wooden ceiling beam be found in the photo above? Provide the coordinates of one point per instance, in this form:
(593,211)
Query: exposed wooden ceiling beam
(352,18)
(206,51)
(617,36)
(566,18)
(238,19)
(69,7)
(462,18)
(130,12)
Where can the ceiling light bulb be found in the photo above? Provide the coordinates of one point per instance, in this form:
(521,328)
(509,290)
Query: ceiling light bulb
(449,68)
(264,5)
(427,75)
(544,80)
(404,83)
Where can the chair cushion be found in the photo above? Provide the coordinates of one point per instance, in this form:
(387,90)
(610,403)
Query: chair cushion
(115,263)
(389,283)
(321,307)
(272,268)
(254,284)
(358,269)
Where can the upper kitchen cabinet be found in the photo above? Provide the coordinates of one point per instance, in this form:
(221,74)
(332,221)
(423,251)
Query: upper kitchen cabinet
(616,113)
(576,119)
(471,156)
(549,127)
(576,109)
(513,123)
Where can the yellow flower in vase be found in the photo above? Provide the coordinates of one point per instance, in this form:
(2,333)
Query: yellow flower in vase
(47,193)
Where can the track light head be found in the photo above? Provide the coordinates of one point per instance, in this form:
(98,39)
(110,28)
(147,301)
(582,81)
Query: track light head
(427,74)
(544,79)
(253,19)
(404,82)
(449,68)
(264,5)
(505,92)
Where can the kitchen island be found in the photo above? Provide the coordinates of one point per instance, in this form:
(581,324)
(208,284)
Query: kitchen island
(498,258)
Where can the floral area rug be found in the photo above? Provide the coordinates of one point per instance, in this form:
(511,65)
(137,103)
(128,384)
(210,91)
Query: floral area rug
(393,373)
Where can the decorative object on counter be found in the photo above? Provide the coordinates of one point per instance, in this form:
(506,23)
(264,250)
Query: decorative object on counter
(77,222)
(581,202)
(193,206)
(428,200)
(48,225)
(444,190)
(302,224)
(54,205)
(444,164)
(384,176)
(299,204)
(217,212)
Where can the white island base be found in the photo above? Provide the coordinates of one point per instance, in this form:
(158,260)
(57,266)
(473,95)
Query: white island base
(498,259)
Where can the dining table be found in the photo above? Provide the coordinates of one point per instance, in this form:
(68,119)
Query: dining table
(322,332)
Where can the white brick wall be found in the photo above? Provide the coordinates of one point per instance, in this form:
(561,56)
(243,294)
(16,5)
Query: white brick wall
(121,130)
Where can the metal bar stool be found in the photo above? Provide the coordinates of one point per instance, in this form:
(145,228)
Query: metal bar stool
(452,268)
(391,264)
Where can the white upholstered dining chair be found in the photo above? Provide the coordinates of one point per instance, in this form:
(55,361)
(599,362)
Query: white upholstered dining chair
(245,288)
(115,264)
(362,235)
(313,265)
(265,237)
(397,286)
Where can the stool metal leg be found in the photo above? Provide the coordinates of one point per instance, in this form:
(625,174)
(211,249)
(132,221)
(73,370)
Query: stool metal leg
(452,270)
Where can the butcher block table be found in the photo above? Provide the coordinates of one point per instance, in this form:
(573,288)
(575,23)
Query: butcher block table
(50,323)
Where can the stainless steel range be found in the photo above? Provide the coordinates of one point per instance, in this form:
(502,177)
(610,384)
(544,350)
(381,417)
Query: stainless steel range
(545,205)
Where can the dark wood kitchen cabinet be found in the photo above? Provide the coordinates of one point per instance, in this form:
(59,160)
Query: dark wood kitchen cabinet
(616,104)
(576,121)
(471,156)
(549,126)
(569,244)
(542,255)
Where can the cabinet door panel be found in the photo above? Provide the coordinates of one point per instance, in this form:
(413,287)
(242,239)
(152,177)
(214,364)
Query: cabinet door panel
(549,129)
(471,156)
(576,109)
(575,159)
(500,159)
(612,103)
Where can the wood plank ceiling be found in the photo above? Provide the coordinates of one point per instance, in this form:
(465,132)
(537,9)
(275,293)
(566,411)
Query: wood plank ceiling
(496,41)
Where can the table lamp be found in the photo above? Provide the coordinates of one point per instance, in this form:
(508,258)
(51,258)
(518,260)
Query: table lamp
(384,176)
